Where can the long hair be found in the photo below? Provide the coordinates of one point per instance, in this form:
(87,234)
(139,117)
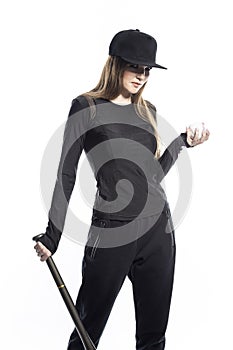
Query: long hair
(110,86)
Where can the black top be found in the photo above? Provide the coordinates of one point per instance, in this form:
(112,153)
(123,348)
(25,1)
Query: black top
(120,147)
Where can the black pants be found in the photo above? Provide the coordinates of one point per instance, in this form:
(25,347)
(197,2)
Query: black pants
(149,262)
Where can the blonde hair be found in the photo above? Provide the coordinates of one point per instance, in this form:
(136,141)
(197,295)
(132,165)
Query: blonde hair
(110,87)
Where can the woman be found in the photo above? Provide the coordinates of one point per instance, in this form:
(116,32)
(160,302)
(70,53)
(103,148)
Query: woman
(131,232)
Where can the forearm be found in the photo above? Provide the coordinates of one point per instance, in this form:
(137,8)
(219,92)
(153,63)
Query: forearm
(170,155)
(58,209)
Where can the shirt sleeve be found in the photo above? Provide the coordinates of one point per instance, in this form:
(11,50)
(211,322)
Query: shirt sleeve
(170,155)
(72,147)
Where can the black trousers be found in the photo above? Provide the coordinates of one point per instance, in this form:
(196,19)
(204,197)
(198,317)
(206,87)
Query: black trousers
(149,262)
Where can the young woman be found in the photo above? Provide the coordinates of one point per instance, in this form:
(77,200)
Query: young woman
(131,232)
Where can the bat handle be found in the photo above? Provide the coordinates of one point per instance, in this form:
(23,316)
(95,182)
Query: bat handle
(86,340)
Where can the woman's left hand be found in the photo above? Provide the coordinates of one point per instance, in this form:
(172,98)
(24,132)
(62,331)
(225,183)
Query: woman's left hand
(193,138)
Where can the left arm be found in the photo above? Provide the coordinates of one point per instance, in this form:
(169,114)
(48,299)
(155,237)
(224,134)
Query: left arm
(170,155)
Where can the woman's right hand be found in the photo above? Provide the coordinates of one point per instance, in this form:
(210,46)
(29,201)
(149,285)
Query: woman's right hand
(42,251)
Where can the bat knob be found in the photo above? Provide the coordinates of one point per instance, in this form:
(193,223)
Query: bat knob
(36,238)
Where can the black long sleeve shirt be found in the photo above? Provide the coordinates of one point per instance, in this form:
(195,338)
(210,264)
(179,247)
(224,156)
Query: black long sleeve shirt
(120,148)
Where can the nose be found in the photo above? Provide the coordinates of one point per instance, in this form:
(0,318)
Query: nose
(143,72)
(141,75)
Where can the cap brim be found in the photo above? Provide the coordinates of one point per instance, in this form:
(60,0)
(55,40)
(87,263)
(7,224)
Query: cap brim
(158,66)
(143,63)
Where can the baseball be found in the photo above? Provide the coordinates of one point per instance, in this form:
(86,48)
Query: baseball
(200,126)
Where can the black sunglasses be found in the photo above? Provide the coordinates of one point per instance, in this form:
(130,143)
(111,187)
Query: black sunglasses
(136,68)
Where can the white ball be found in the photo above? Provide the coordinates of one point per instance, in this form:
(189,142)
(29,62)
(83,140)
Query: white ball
(199,126)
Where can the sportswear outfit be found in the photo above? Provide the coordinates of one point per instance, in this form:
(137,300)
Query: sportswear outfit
(131,232)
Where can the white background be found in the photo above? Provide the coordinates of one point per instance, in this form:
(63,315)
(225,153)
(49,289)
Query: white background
(51,51)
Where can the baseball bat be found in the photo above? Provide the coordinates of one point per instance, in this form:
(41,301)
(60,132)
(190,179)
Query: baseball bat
(86,340)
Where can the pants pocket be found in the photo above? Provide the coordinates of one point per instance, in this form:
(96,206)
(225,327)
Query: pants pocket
(170,227)
(94,237)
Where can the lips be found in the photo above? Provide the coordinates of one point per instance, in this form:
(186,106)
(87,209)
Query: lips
(136,84)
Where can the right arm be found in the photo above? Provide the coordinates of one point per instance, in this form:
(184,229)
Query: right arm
(72,147)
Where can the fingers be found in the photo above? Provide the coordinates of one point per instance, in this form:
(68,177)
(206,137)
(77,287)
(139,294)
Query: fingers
(42,251)
(193,137)
(205,135)
(189,133)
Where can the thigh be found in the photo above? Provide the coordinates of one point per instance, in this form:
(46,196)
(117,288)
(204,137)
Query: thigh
(105,248)
(152,275)
(104,270)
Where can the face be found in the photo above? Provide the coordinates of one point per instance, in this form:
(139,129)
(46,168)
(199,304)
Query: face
(134,77)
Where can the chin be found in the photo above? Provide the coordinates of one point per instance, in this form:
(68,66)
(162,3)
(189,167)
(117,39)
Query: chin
(132,91)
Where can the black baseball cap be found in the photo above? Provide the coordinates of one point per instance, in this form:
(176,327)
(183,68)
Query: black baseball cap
(135,47)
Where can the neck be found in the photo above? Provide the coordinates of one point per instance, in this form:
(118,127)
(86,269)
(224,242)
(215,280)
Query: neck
(122,100)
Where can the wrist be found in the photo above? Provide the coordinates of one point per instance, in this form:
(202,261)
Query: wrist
(184,138)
